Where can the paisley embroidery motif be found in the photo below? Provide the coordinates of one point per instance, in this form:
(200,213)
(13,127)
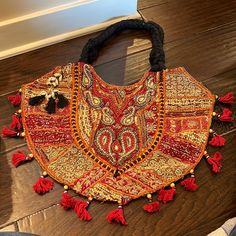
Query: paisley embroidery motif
(128,118)
(107,118)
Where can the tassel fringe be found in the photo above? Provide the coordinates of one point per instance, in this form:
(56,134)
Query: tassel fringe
(67,202)
(81,210)
(19,158)
(43,185)
(51,106)
(16,122)
(6,132)
(152,207)
(15,100)
(226,115)
(217,140)
(215,162)
(189,184)
(117,216)
(166,195)
(35,101)
(227,98)
(62,101)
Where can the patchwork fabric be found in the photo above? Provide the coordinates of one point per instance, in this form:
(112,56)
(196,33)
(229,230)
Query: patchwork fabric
(115,142)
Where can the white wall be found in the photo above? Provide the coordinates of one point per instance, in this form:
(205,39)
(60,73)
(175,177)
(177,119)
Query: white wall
(29,24)
(14,8)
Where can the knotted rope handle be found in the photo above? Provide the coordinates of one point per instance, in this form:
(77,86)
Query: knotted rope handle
(157,56)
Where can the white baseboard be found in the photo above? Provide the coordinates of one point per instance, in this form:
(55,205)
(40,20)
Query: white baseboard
(57,24)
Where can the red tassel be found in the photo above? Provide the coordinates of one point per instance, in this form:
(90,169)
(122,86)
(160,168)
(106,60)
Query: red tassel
(217,141)
(67,202)
(166,195)
(43,185)
(16,123)
(226,115)
(6,132)
(19,158)
(227,99)
(189,184)
(80,209)
(15,100)
(215,162)
(117,215)
(152,207)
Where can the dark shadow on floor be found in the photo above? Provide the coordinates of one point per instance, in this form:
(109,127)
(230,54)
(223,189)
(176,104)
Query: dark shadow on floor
(115,73)
(5,187)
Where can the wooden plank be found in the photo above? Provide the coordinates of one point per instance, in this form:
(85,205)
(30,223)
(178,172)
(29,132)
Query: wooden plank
(182,19)
(194,214)
(150,3)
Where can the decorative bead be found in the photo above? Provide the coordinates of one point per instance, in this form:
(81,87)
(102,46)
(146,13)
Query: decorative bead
(205,152)
(54,84)
(43,93)
(90,198)
(51,79)
(191,171)
(20,90)
(45,173)
(211,131)
(66,187)
(19,111)
(120,202)
(31,155)
(216,96)
(149,196)
(172,185)
(22,134)
(57,74)
(214,113)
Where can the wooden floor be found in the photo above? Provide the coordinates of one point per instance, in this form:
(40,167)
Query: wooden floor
(199,35)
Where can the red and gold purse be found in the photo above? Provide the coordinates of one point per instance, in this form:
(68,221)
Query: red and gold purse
(117,143)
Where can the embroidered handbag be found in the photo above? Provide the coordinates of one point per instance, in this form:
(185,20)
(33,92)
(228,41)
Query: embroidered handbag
(117,143)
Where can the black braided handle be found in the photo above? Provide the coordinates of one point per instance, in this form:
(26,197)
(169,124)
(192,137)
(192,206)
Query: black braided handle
(157,55)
